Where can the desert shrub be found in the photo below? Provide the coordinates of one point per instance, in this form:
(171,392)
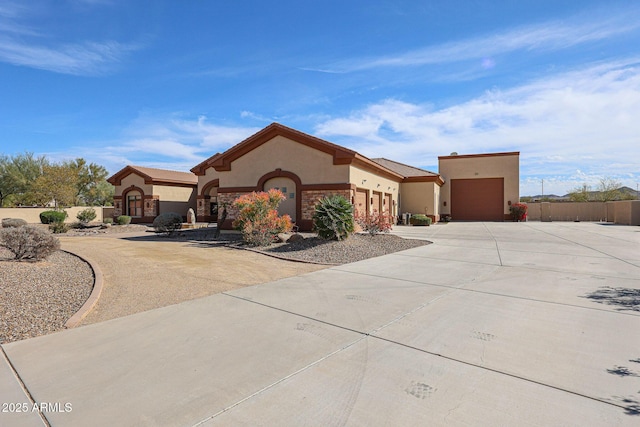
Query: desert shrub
(333,218)
(28,243)
(49,217)
(13,222)
(420,219)
(59,227)
(107,220)
(518,211)
(86,215)
(167,222)
(123,220)
(258,218)
(373,223)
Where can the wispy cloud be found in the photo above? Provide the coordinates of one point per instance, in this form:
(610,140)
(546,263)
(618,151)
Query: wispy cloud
(23,45)
(171,142)
(547,36)
(581,120)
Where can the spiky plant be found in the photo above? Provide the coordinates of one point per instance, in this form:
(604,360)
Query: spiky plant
(333,218)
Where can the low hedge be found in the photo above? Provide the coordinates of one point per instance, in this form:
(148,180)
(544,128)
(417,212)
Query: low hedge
(419,219)
(50,217)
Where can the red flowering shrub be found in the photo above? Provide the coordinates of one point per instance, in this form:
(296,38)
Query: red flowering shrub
(518,211)
(258,218)
(373,223)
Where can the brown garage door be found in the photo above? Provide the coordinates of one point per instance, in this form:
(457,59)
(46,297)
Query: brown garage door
(361,202)
(477,199)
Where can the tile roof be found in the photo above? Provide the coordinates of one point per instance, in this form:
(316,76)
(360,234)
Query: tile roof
(402,169)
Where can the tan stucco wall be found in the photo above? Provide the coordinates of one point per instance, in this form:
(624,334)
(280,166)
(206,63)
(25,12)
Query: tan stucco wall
(489,166)
(627,212)
(311,166)
(419,198)
(175,199)
(32,215)
(370,181)
(133,179)
(209,175)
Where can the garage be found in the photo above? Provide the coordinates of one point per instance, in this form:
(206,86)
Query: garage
(477,199)
(361,204)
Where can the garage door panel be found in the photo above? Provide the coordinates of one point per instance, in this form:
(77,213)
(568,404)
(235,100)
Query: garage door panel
(477,199)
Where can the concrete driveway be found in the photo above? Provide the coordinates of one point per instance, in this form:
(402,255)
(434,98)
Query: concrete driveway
(494,324)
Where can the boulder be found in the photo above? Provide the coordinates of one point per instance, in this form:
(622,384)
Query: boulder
(191,216)
(295,238)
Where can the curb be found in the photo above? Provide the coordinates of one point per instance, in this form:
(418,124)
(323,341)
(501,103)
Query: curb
(88,305)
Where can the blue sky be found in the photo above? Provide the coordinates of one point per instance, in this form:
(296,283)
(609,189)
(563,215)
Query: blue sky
(169,83)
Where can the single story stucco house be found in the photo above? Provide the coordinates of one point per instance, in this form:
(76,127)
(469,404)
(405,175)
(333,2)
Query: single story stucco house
(306,168)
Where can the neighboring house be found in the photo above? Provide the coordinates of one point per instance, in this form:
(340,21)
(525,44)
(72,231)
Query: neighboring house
(305,168)
(144,193)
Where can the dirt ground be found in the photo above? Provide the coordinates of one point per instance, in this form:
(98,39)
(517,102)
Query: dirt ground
(142,271)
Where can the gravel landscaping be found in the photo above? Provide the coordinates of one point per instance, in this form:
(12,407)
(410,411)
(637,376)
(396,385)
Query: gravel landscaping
(37,298)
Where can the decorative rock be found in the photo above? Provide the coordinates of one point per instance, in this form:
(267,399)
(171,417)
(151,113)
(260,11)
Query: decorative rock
(295,238)
(191,216)
(282,238)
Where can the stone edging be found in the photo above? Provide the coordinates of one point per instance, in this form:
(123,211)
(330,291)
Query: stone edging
(88,305)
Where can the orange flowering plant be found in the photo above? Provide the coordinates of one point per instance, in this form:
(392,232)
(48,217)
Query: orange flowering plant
(373,223)
(258,218)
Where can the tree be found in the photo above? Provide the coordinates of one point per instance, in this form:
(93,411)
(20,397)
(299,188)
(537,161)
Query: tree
(580,194)
(17,173)
(609,189)
(90,176)
(100,194)
(58,184)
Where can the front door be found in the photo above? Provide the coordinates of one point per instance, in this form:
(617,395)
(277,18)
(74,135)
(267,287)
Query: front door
(288,188)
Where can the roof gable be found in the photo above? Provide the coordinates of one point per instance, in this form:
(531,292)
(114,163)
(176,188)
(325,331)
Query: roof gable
(341,155)
(155,176)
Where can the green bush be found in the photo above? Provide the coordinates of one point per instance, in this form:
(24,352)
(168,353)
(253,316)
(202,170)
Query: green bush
(28,243)
(107,220)
(333,218)
(167,222)
(419,219)
(50,217)
(58,227)
(123,220)
(86,215)
(13,222)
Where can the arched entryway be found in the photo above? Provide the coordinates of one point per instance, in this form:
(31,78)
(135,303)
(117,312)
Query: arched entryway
(288,187)
(132,201)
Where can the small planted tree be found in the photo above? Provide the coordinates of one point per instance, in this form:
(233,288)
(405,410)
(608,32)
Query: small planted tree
(28,243)
(167,223)
(258,218)
(333,218)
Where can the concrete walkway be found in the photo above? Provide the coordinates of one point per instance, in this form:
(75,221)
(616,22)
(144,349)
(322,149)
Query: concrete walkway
(494,324)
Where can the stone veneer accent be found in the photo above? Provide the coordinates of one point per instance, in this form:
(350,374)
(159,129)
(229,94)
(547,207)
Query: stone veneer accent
(311,197)
(117,206)
(228,198)
(202,207)
(150,206)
